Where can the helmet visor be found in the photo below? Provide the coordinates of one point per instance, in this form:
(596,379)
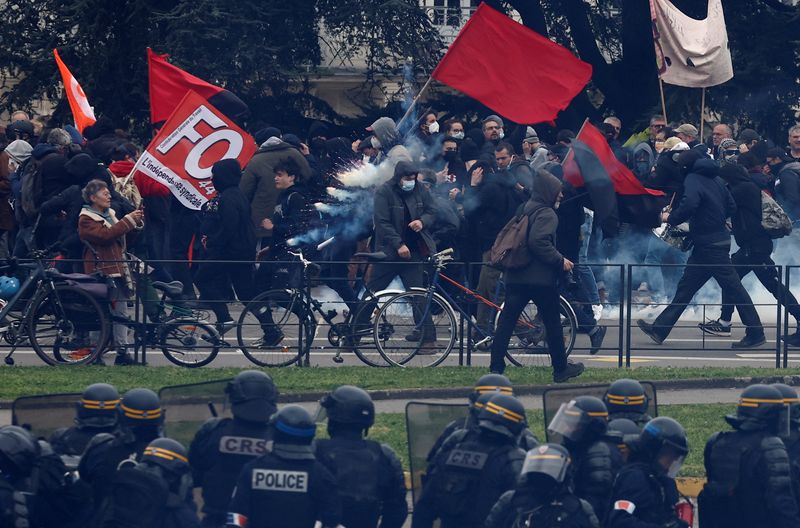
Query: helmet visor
(549,462)
(675,467)
(569,421)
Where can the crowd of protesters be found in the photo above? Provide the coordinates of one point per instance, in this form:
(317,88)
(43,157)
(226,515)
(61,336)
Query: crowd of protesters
(449,185)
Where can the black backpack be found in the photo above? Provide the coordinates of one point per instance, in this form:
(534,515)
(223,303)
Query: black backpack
(31,189)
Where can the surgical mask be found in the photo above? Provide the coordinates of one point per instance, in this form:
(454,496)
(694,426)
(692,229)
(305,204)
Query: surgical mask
(457,135)
(433,127)
(375,143)
(407,186)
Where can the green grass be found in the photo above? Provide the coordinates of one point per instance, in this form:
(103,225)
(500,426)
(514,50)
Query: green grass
(20,381)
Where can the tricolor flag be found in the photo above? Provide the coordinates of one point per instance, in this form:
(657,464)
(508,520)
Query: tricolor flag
(236,519)
(82,112)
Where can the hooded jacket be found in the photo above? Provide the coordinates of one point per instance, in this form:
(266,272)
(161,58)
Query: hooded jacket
(706,204)
(391,150)
(258,179)
(229,230)
(546,263)
(747,229)
(391,204)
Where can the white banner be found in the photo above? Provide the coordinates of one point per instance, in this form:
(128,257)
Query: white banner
(691,52)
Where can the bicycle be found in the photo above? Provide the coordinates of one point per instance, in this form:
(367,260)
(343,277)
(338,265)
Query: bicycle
(57,318)
(422,324)
(286,327)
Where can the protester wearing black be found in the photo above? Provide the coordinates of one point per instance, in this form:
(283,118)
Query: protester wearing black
(644,493)
(537,281)
(95,413)
(582,425)
(286,487)
(466,481)
(543,496)
(369,476)
(626,398)
(754,254)
(748,469)
(227,235)
(787,172)
(706,205)
(102,139)
(222,446)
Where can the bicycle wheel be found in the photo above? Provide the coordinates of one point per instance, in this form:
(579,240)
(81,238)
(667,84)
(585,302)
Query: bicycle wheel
(67,326)
(411,331)
(269,329)
(188,342)
(361,338)
(528,344)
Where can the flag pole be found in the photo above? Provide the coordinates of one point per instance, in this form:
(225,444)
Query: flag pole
(702,112)
(663,101)
(413,103)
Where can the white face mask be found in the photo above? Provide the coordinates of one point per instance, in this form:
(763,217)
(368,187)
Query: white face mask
(433,127)
(408,185)
(501,134)
(458,135)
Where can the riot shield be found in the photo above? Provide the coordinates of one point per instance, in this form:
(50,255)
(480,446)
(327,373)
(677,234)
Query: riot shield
(45,413)
(188,406)
(553,398)
(424,423)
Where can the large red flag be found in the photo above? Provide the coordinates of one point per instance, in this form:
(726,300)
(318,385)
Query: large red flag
(169,84)
(512,69)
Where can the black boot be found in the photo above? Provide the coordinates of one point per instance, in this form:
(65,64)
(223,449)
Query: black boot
(123,358)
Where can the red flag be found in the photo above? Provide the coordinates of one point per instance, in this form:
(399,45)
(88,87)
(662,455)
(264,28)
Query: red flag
(512,69)
(82,111)
(169,84)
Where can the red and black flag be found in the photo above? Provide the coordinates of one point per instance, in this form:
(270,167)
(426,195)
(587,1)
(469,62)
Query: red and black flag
(616,195)
(169,84)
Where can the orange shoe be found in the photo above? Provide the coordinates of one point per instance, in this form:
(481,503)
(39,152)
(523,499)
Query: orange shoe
(81,353)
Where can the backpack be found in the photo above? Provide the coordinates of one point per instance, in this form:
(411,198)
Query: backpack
(31,190)
(774,219)
(510,248)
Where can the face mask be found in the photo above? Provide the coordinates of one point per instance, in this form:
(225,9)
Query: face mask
(450,155)
(458,135)
(433,127)
(501,134)
(375,143)
(407,186)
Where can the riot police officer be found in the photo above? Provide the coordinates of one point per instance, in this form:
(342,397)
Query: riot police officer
(543,496)
(791,438)
(625,398)
(287,486)
(466,480)
(488,384)
(95,413)
(154,492)
(141,421)
(618,430)
(582,425)
(369,476)
(223,446)
(18,453)
(749,475)
(644,493)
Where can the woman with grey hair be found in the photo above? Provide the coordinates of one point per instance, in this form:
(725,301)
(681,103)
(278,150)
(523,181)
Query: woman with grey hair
(104,238)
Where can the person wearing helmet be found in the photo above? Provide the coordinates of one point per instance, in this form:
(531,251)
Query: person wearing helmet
(791,439)
(618,430)
(581,424)
(466,480)
(18,454)
(222,446)
(749,474)
(155,492)
(141,421)
(287,486)
(625,398)
(543,496)
(644,493)
(95,413)
(489,384)
(369,476)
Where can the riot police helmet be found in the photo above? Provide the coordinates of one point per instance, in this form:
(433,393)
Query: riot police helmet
(347,406)
(253,396)
(293,431)
(664,442)
(760,408)
(503,414)
(626,396)
(97,407)
(18,452)
(491,384)
(547,463)
(583,419)
(141,414)
(791,401)
(168,454)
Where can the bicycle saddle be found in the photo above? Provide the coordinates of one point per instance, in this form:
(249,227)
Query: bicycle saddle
(378,255)
(170,288)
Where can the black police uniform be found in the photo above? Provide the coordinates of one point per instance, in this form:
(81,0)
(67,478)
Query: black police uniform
(287,487)
(791,440)
(96,413)
(748,470)
(18,453)
(465,482)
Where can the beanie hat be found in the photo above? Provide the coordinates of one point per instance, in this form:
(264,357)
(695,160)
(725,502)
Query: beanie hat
(531,136)
(727,143)
(19,150)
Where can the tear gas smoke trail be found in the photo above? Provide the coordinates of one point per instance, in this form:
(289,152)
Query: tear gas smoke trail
(341,194)
(364,176)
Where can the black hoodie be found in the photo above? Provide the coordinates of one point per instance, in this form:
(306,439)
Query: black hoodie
(747,229)
(229,229)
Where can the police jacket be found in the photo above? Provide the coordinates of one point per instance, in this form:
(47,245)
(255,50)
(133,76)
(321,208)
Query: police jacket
(525,441)
(466,481)
(749,482)
(518,508)
(73,440)
(217,454)
(273,492)
(102,458)
(369,479)
(642,497)
(592,474)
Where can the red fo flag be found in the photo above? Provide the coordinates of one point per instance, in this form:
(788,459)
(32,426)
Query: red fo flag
(512,69)
(195,136)
(168,85)
(82,111)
